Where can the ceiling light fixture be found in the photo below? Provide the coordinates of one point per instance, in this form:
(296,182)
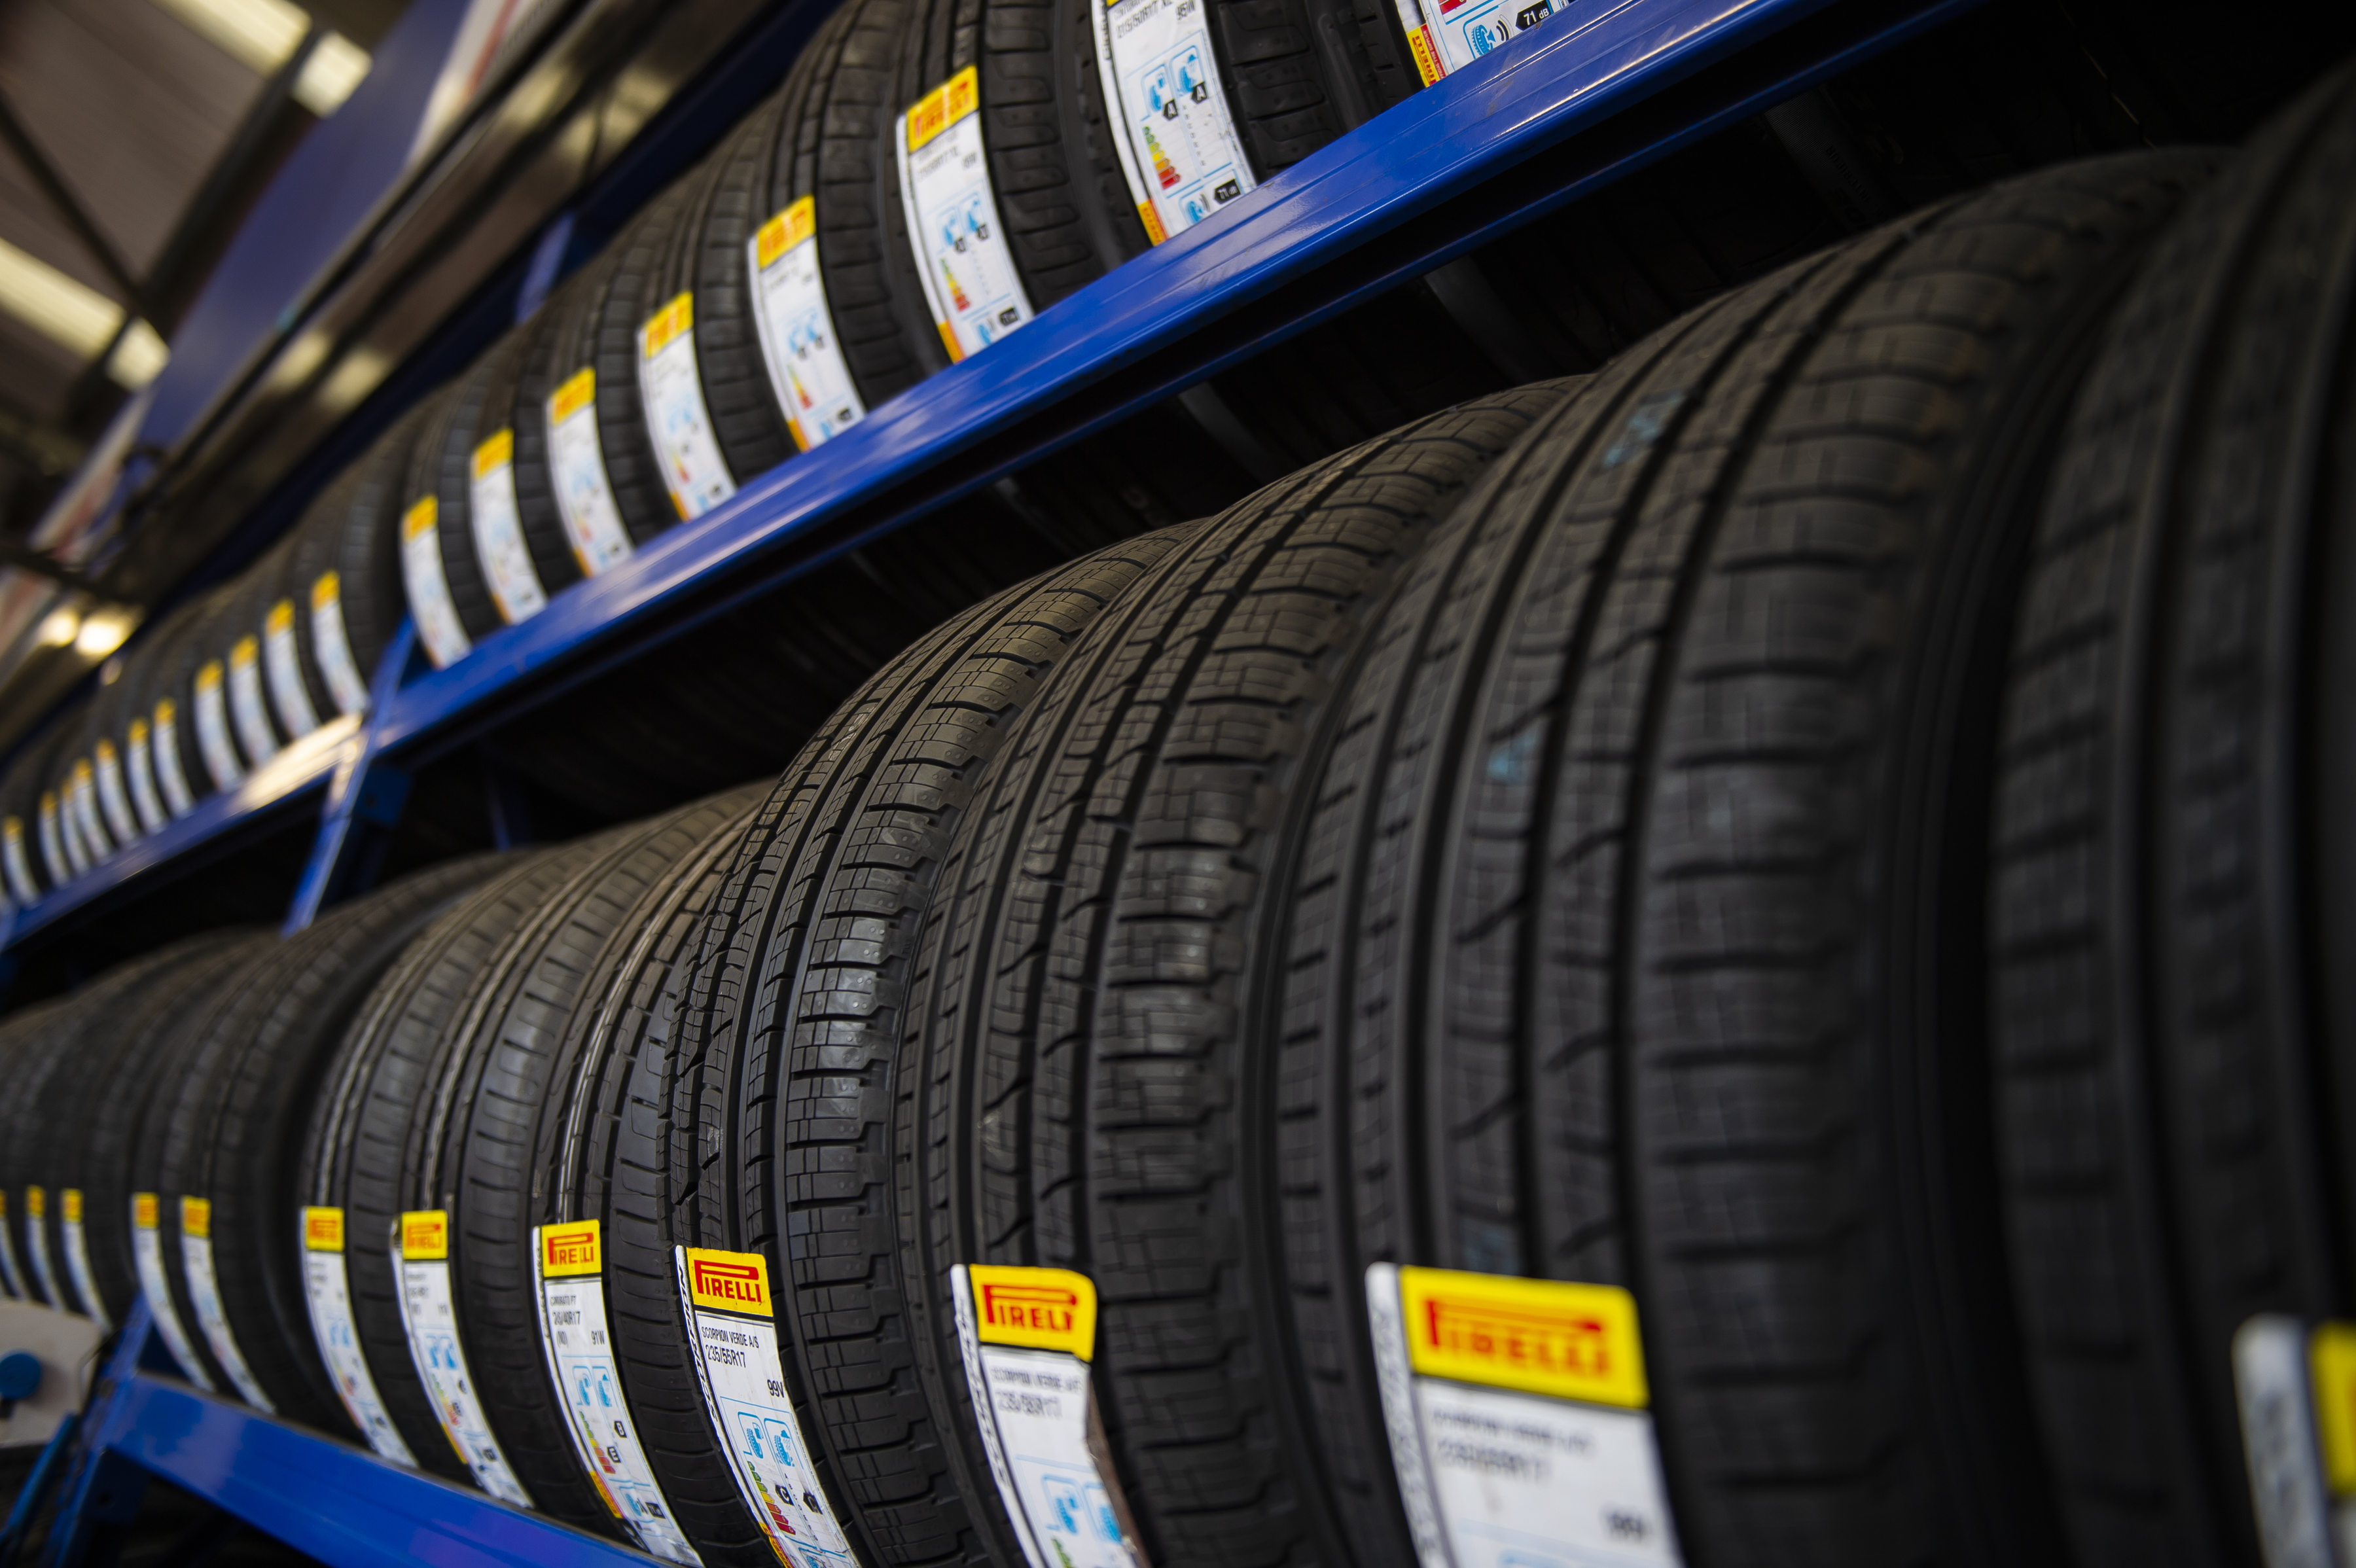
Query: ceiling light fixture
(70,313)
(264,34)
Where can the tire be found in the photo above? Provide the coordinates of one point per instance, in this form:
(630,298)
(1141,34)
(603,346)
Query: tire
(553,554)
(433,570)
(38,1040)
(474,1158)
(22,1038)
(2169,1018)
(779,1007)
(1281,587)
(358,539)
(443,467)
(361,1121)
(610,341)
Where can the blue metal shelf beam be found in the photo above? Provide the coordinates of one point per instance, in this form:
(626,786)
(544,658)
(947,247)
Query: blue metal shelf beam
(1159,323)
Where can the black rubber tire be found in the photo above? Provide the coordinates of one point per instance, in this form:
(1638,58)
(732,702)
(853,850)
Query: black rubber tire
(611,343)
(362,1122)
(478,404)
(363,548)
(1124,745)
(283,569)
(553,556)
(2170,1014)
(248,601)
(783,1094)
(38,1040)
(474,1158)
(598,1158)
(235,1135)
(1301,72)
(22,1035)
(28,780)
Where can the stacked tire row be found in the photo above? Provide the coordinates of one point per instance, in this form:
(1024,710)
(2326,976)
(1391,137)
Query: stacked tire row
(1718,962)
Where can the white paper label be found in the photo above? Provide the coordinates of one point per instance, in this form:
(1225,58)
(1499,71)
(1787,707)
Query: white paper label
(245,701)
(430,1316)
(1497,1476)
(281,660)
(1459,32)
(1031,1404)
(573,1332)
(329,1294)
(10,1275)
(806,369)
(14,863)
(429,592)
(147,1252)
(170,774)
(332,647)
(95,843)
(204,1296)
(113,799)
(1181,154)
(744,1386)
(671,390)
(85,1284)
(53,851)
(576,463)
(961,251)
(144,797)
(212,729)
(499,532)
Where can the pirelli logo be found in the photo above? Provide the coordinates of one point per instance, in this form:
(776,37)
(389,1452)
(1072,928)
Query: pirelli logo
(497,453)
(36,1202)
(568,1250)
(326,592)
(578,391)
(944,106)
(145,1211)
(666,326)
(281,619)
(420,517)
(323,1230)
(424,1235)
(197,1217)
(1044,1309)
(1542,1337)
(784,231)
(71,1199)
(729,1282)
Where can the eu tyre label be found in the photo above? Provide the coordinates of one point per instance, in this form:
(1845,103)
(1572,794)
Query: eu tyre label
(1178,144)
(807,370)
(576,466)
(147,1257)
(952,213)
(327,1290)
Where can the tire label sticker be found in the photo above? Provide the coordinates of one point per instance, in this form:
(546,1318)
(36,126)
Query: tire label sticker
(2293,1384)
(725,1299)
(282,661)
(328,1292)
(204,1294)
(429,1315)
(70,826)
(144,798)
(85,1283)
(52,838)
(212,729)
(113,799)
(807,370)
(1448,35)
(169,773)
(576,462)
(147,1253)
(1026,1336)
(1518,1416)
(574,1334)
(18,871)
(499,532)
(333,648)
(83,799)
(245,705)
(694,471)
(1178,146)
(10,1275)
(429,592)
(961,251)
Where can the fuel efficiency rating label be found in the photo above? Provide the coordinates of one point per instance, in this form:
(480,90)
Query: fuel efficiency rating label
(806,369)
(204,1294)
(85,1284)
(694,471)
(327,1291)
(421,1255)
(1517,1411)
(1027,1337)
(1448,35)
(569,1262)
(961,250)
(147,1255)
(1179,147)
(576,463)
(498,531)
(731,1321)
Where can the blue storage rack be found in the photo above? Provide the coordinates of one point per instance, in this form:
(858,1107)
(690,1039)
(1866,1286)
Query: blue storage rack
(1613,86)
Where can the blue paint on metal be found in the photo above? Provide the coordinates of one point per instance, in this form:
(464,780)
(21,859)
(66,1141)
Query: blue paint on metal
(20,1375)
(349,802)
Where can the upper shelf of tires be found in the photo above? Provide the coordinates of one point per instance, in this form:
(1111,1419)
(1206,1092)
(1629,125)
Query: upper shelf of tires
(758,350)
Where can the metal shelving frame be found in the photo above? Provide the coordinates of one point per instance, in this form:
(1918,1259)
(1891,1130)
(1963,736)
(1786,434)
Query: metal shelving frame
(1597,92)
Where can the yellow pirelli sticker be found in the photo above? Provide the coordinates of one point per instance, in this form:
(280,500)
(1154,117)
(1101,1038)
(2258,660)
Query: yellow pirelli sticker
(1541,1337)
(2331,1361)
(419,519)
(197,1217)
(167,711)
(81,773)
(323,1230)
(70,1202)
(782,232)
(138,738)
(145,1211)
(1042,1309)
(37,1203)
(568,1250)
(243,652)
(327,592)
(106,754)
(281,619)
(944,106)
(424,1235)
(729,1282)
(1427,57)
(494,453)
(666,325)
(4,1203)
(578,391)
(13,830)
